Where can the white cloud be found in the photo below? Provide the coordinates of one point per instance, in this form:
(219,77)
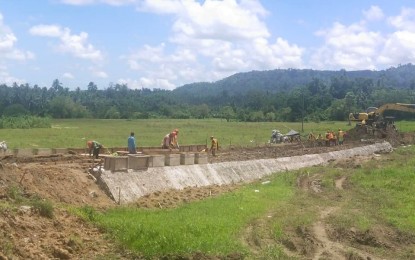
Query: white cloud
(90,2)
(77,45)
(9,51)
(6,78)
(357,47)
(205,46)
(347,47)
(147,83)
(98,73)
(68,75)
(374,13)
(8,42)
(399,47)
(404,21)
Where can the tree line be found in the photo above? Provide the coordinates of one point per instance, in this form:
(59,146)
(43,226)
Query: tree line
(332,96)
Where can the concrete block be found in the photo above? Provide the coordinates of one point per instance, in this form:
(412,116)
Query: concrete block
(24,152)
(59,150)
(118,163)
(201,158)
(42,151)
(184,148)
(156,161)
(172,159)
(107,163)
(138,162)
(187,158)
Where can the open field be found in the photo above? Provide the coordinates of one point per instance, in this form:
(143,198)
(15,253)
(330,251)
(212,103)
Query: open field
(359,208)
(114,133)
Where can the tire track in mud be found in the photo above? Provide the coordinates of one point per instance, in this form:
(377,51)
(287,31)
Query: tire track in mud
(328,249)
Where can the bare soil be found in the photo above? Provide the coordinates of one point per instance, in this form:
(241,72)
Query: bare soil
(64,180)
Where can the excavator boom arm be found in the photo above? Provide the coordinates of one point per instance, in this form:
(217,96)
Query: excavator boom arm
(395,107)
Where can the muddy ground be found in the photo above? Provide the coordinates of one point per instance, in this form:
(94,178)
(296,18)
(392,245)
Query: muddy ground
(26,233)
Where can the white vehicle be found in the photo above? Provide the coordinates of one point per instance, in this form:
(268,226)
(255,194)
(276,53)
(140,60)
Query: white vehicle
(3,146)
(277,137)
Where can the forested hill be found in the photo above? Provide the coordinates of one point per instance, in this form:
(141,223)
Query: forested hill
(273,81)
(276,95)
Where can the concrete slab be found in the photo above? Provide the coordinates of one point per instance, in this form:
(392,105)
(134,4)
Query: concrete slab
(138,162)
(156,161)
(107,163)
(187,158)
(172,159)
(117,163)
(201,158)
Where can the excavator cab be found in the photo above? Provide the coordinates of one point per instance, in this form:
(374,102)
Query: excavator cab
(359,117)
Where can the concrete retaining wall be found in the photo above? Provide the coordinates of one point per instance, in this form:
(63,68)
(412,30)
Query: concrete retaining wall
(135,184)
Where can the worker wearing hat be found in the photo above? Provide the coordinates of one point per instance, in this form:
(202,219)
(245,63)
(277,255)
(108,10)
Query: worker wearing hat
(340,136)
(174,143)
(214,145)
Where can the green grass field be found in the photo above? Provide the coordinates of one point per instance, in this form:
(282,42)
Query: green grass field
(379,195)
(379,192)
(114,133)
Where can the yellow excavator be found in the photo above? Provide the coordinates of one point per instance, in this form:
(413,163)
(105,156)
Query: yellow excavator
(373,120)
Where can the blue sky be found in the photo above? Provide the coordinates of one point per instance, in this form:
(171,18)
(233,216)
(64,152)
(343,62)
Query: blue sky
(169,43)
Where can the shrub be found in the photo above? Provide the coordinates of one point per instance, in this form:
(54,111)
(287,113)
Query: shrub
(43,207)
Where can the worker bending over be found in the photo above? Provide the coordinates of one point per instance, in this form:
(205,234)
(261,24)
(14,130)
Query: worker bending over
(165,143)
(94,148)
(173,138)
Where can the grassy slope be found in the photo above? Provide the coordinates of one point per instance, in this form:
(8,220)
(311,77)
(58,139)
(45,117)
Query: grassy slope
(378,193)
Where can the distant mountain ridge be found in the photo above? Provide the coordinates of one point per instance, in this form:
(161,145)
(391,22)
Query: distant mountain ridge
(274,81)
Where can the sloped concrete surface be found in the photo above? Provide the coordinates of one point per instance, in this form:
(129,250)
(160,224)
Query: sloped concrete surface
(127,186)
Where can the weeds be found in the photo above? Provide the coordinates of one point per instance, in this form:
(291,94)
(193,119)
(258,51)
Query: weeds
(15,193)
(6,246)
(43,207)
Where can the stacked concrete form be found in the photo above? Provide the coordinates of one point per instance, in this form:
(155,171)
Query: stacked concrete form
(30,152)
(143,162)
(131,185)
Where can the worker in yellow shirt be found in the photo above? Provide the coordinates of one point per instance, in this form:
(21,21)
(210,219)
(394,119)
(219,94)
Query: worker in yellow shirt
(214,145)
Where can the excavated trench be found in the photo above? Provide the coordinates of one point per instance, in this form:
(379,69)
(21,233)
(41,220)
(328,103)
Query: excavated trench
(129,185)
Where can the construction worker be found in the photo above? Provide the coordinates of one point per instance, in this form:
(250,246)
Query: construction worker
(320,140)
(174,143)
(165,143)
(94,148)
(332,140)
(340,136)
(312,139)
(328,138)
(131,144)
(214,145)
